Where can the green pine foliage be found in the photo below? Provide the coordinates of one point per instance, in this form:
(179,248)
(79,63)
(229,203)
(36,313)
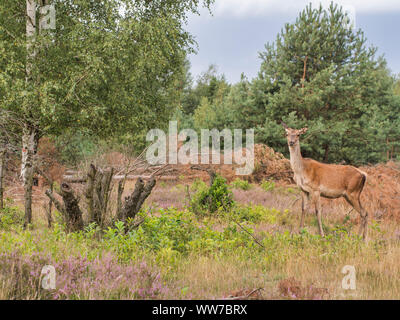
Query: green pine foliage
(322,75)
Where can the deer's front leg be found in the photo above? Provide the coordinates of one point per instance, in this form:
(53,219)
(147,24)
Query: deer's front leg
(305,199)
(318,211)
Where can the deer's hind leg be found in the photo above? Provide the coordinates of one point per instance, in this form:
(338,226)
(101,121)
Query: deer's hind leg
(316,199)
(354,200)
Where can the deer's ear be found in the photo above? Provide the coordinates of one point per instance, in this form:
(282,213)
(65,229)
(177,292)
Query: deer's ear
(284,125)
(303,131)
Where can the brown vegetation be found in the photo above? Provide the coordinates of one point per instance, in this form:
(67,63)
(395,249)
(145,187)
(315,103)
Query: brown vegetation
(381,194)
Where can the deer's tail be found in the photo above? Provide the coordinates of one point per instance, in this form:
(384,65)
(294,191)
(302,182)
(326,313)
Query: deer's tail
(364,178)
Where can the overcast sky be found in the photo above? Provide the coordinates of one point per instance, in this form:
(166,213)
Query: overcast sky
(237,31)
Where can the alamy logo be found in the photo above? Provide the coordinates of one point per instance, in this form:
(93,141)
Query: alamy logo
(188,152)
(49,277)
(47,17)
(349,281)
(349,21)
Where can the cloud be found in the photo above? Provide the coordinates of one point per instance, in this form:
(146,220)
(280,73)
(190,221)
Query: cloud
(249,8)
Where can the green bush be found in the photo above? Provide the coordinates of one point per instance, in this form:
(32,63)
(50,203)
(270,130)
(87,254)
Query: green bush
(171,234)
(268,185)
(9,217)
(214,198)
(258,213)
(198,185)
(172,229)
(241,184)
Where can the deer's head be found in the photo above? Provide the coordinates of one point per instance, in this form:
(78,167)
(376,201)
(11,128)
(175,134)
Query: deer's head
(293,135)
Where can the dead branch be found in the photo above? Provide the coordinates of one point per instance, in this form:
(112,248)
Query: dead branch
(75,179)
(48,208)
(244,229)
(60,207)
(133,202)
(244,297)
(210,171)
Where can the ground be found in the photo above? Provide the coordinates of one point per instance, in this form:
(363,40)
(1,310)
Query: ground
(255,250)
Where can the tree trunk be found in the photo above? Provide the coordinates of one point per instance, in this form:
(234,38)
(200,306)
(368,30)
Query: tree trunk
(326,155)
(74,213)
(30,141)
(28,137)
(30,40)
(89,192)
(48,207)
(2,172)
(103,194)
(70,209)
(97,193)
(121,187)
(387,149)
(134,202)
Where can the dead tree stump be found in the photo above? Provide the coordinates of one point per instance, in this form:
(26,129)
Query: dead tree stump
(97,193)
(134,202)
(70,209)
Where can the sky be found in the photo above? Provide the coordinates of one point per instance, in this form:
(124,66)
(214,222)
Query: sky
(235,33)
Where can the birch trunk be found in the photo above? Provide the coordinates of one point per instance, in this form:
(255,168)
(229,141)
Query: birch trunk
(30,37)
(28,137)
(30,40)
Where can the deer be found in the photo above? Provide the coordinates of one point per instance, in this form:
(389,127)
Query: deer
(316,180)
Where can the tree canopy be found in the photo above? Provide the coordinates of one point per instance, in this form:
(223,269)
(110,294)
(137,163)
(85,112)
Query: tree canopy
(110,67)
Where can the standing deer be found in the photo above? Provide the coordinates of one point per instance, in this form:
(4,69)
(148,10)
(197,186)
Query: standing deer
(317,179)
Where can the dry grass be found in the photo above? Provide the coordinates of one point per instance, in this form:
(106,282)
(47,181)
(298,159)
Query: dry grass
(316,274)
(212,278)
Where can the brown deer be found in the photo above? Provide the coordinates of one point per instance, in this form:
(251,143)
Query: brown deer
(317,179)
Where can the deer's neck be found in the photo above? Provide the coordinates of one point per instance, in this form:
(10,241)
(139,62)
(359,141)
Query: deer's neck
(296,160)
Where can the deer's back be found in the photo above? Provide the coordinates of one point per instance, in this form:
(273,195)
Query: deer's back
(332,180)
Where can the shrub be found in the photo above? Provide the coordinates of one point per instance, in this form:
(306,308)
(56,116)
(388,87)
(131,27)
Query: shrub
(268,185)
(175,233)
(257,213)
(241,184)
(198,185)
(10,216)
(172,229)
(214,198)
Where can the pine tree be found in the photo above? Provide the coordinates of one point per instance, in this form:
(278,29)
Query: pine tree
(320,73)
